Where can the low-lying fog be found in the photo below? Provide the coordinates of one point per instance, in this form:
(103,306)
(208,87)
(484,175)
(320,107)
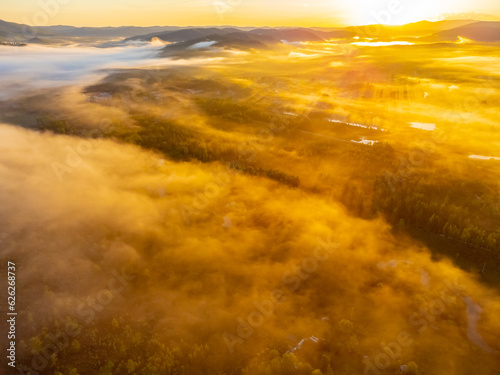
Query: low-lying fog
(35,66)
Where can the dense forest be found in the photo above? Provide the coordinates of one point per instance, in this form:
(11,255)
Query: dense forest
(461,210)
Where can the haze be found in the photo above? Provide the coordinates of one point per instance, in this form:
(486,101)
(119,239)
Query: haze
(251,200)
(326,13)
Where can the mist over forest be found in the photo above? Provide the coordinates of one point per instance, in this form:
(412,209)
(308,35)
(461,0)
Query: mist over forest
(252,201)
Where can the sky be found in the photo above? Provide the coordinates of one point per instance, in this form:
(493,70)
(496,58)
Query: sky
(320,13)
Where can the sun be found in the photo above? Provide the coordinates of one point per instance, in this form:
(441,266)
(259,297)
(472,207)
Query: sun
(395,12)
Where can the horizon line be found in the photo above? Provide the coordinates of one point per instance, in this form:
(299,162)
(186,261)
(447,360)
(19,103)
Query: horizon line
(251,26)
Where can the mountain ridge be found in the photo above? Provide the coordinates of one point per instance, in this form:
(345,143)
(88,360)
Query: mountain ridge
(447,30)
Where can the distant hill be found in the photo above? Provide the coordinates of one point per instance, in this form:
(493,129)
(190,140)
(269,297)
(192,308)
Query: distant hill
(36,40)
(239,40)
(182,35)
(416,29)
(228,38)
(290,35)
(11,32)
(8,28)
(448,30)
(203,38)
(335,34)
(479,31)
(105,32)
